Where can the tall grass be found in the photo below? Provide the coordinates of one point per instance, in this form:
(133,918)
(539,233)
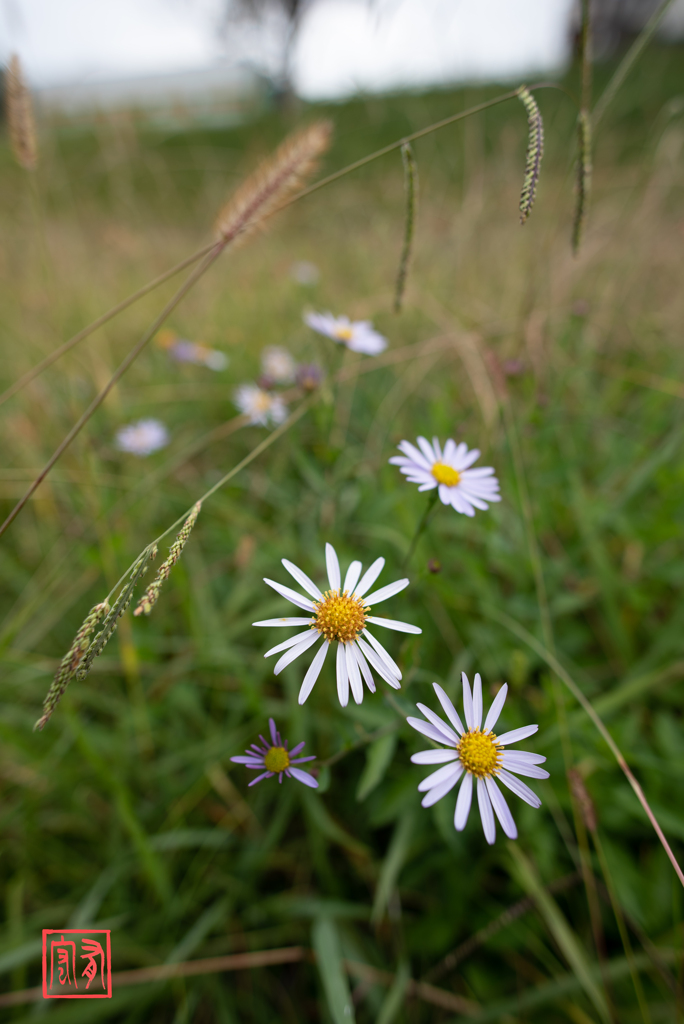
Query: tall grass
(126,809)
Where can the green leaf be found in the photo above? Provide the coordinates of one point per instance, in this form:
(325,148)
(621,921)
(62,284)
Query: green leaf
(557,924)
(378,758)
(326,944)
(392,864)
(394,1000)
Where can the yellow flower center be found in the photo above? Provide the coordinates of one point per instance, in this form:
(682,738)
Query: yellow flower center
(339,616)
(262,401)
(444,474)
(479,753)
(277,759)
(344,333)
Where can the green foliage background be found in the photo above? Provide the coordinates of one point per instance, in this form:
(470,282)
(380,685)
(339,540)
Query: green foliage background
(126,811)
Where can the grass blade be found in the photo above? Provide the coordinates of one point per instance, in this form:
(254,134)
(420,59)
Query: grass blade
(326,944)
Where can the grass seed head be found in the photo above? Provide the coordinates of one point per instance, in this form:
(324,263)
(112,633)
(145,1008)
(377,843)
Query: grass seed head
(20,119)
(149,598)
(275,181)
(535,152)
(71,662)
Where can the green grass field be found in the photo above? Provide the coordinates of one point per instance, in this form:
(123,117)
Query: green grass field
(126,812)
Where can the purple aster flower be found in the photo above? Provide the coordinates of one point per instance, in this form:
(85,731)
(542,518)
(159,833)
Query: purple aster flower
(276,759)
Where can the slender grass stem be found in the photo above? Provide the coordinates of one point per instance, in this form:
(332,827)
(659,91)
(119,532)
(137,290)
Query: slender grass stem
(427,515)
(553,663)
(101,321)
(620,920)
(216,250)
(629,60)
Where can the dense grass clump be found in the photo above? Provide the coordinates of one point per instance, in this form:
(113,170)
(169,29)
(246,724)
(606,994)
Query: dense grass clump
(126,812)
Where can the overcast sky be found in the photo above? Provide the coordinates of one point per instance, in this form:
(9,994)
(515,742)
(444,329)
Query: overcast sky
(343,46)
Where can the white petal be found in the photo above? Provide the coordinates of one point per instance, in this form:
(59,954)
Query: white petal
(289,621)
(400,627)
(304,777)
(440,776)
(352,577)
(389,591)
(467,701)
(495,710)
(427,730)
(450,736)
(449,709)
(363,665)
(477,701)
(286,643)
(353,673)
(502,810)
(294,652)
(437,448)
(427,450)
(416,455)
(333,567)
(291,595)
(313,672)
(486,812)
(519,788)
(523,768)
(465,796)
(253,762)
(433,756)
(383,655)
(378,664)
(517,734)
(449,451)
(438,792)
(369,577)
(467,458)
(302,579)
(524,757)
(342,676)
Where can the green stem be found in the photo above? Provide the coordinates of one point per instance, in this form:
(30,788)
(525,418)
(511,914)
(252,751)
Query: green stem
(430,509)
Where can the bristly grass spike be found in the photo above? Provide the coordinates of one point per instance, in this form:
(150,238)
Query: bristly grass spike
(20,119)
(583,179)
(411,190)
(71,661)
(535,152)
(149,598)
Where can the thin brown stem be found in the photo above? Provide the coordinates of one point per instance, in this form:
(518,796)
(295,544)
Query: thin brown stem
(101,320)
(216,249)
(554,663)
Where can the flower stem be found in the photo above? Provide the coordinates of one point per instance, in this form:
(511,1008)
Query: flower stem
(430,509)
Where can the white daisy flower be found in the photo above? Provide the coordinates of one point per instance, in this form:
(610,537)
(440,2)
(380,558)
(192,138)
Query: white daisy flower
(142,438)
(340,615)
(278,365)
(259,405)
(476,752)
(275,759)
(463,488)
(358,335)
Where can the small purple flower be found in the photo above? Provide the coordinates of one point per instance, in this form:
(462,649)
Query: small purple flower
(309,376)
(276,759)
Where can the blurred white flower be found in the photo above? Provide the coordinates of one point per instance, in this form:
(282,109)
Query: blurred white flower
(259,405)
(275,759)
(277,365)
(463,488)
(340,615)
(142,438)
(305,273)
(358,335)
(476,752)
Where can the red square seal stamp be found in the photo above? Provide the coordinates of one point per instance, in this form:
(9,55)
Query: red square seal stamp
(77,963)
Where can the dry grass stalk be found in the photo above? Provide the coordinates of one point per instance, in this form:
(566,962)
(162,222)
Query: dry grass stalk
(411,188)
(584,801)
(20,119)
(274,182)
(583,180)
(535,152)
(71,662)
(149,598)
